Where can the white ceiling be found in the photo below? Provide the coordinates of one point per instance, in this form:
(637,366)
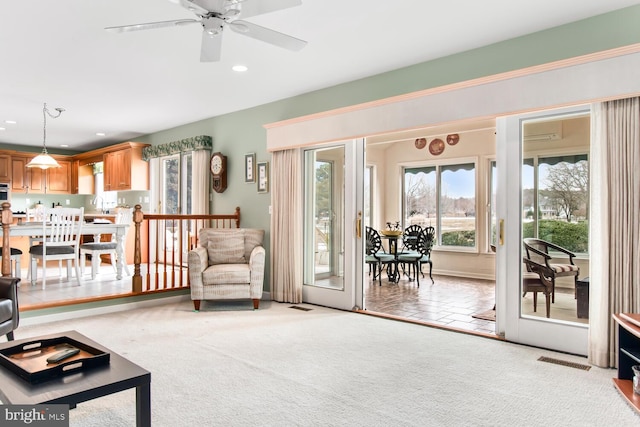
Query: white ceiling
(135,83)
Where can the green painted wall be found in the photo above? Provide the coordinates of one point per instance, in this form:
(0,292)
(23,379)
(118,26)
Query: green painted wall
(242,132)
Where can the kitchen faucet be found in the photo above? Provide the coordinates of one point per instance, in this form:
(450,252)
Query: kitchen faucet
(95,203)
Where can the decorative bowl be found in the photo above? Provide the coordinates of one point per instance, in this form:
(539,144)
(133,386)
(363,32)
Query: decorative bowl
(391,232)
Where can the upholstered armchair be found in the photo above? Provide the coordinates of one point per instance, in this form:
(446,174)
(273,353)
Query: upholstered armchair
(228,263)
(9,314)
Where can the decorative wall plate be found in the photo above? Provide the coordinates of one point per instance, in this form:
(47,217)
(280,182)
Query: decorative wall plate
(453,139)
(421,143)
(436,147)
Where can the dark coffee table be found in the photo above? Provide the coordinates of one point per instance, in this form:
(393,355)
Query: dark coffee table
(118,375)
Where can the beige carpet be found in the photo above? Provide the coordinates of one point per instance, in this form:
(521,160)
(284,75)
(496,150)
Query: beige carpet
(231,366)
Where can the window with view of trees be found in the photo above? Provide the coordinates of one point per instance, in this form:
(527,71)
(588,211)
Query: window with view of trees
(555,200)
(442,196)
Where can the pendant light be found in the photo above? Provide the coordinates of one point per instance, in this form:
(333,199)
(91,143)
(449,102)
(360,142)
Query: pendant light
(44,160)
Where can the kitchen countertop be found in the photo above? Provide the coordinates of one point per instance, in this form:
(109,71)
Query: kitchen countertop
(86,215)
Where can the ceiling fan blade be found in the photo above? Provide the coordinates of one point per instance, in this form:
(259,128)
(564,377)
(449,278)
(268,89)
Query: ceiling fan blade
(258,7)
(194,7)
(150,25)
(211,47)
(267,35)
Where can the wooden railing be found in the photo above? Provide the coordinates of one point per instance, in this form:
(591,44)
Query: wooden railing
(161,245)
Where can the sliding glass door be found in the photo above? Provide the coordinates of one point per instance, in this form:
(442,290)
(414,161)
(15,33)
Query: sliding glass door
(542,181)
(332,217)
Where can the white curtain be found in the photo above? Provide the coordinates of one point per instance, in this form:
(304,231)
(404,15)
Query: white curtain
(200,182)
(286,226)
(615,223)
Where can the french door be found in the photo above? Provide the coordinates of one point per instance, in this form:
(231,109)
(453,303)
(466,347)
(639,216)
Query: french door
(175,197)
(529,206)
(333,194)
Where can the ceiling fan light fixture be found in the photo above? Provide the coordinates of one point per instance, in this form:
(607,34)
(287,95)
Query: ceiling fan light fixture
(240,27)
(213,26)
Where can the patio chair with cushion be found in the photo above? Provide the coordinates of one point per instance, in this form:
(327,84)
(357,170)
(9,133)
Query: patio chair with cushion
(538,251)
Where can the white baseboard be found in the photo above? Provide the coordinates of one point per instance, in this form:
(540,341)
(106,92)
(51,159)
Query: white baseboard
(467,274)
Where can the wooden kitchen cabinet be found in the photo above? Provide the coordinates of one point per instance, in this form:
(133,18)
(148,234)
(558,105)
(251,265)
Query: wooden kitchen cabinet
(58,180)
(19,180)
(82,178)
(36,180)
(124,169)
(5,168)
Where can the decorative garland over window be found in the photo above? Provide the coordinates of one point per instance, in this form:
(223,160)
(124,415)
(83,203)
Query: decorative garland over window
(201,142)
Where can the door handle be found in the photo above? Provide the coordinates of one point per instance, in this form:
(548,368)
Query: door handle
(359,225)
(501,236)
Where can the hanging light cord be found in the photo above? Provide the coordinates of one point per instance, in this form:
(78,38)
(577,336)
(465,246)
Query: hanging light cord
(45,112)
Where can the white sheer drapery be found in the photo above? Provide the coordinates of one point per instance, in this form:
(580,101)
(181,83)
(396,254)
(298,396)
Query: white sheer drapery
(200,182)
(614,246)
(286,227)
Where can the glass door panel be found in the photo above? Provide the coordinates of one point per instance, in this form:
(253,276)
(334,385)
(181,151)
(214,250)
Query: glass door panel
(332,203)
(175,198)
(324,217)
(545,156)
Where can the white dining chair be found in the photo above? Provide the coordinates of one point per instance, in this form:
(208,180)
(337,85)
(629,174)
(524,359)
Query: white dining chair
(61,233)
(95,249)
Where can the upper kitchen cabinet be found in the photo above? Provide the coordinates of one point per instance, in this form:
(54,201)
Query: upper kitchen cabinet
(19,179)
(5,168)
(124,168)
(58,180)
(82,178)
(36,180)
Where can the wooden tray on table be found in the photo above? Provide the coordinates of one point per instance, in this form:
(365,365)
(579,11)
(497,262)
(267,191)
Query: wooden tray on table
(29,360)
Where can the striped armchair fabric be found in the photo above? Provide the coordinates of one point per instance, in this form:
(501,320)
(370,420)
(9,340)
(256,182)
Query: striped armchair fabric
(227,264)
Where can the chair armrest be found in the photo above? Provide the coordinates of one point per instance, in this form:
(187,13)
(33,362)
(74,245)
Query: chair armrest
(257,258)
(530,248)
(563,250)
(198,259)
(543,271)
(9,288)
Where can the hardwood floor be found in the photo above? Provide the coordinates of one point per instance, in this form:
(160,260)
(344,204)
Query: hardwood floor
(61,290)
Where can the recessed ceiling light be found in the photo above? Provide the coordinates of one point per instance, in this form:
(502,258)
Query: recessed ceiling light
(11,122)
(1,128)
(64,145)
(239,68)
(100,134)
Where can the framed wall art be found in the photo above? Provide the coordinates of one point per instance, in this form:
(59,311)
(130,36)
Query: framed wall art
(250,167)
(263,177)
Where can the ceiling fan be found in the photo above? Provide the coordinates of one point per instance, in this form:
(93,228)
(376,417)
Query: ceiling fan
(214,15)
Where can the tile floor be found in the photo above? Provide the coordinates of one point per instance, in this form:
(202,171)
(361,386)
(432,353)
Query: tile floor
(449,302)
(452,301)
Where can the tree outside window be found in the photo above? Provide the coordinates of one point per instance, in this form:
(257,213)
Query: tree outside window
(561,212)
(443,197)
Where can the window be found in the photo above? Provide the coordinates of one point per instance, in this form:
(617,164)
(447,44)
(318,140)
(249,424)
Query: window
(442,196)
(555,200)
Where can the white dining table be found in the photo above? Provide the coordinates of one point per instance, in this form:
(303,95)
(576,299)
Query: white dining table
(34,229)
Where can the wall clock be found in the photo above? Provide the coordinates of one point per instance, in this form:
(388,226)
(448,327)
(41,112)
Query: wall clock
(219,172)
